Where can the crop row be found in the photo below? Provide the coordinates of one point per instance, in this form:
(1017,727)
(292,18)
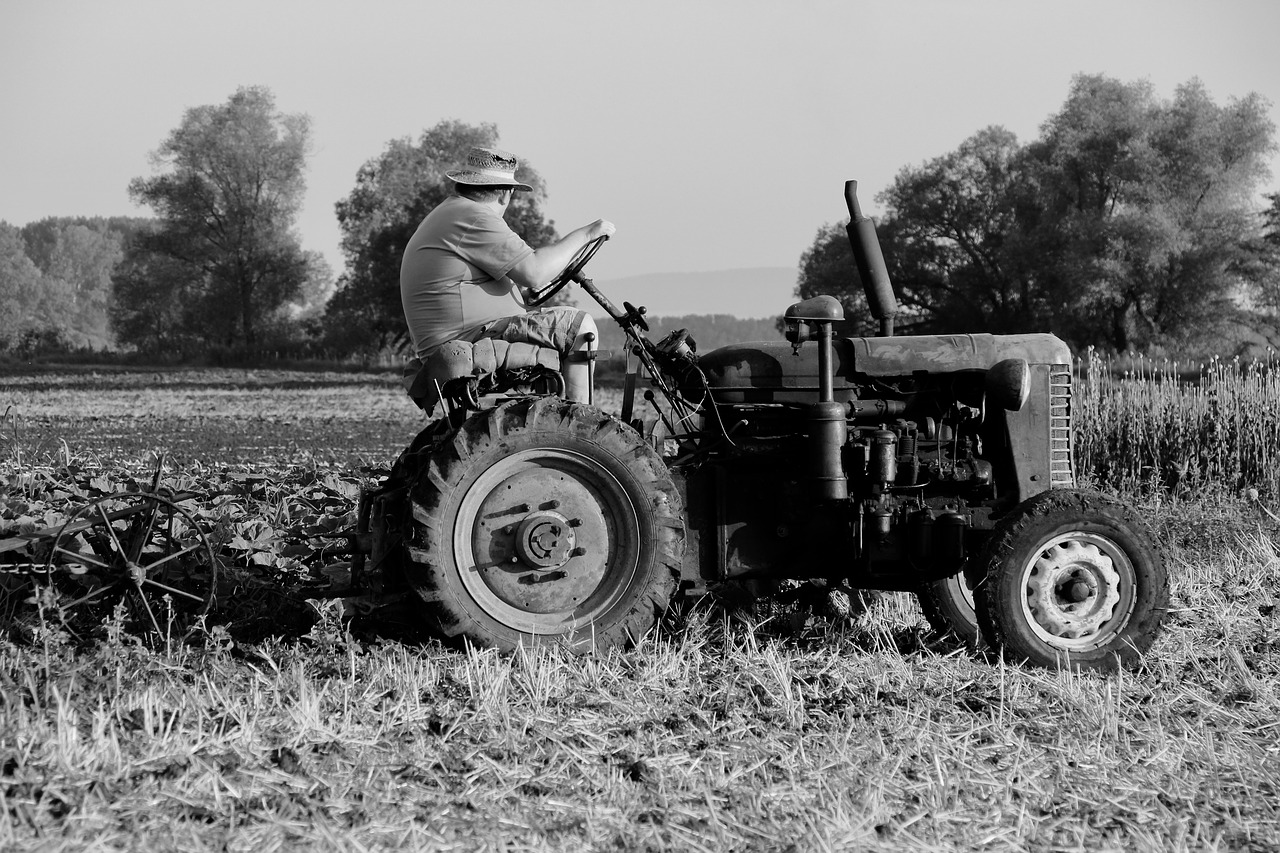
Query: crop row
(1158,428)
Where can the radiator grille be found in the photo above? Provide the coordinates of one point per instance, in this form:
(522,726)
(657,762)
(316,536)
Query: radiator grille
(1062,473)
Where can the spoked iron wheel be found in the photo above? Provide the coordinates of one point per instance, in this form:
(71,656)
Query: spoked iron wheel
(137,549)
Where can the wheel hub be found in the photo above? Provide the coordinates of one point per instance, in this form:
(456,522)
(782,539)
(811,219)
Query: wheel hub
(545,540)
(1072,590)
(541,538)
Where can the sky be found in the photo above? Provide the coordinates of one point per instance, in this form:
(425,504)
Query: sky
(715,134)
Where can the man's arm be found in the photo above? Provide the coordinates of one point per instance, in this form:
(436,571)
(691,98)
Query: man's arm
(540,267)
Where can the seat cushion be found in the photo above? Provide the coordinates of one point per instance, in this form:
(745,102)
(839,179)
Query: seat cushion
(487,359)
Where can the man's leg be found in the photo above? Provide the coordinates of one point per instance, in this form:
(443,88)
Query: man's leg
(577,370)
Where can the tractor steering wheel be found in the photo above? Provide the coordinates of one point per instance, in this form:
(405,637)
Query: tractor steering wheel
(569,273)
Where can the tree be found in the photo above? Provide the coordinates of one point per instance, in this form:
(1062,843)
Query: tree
(953,237)
(226,206)
(76,256)
(1146,210)
(156,304)
(79,270)
(393,193)
(946,243)
(1128,223)
(1262,272)
(20,287)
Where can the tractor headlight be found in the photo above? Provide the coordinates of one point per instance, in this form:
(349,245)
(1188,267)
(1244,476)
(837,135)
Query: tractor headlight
(1008,384)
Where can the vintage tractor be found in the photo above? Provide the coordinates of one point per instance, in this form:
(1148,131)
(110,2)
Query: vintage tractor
(936,464)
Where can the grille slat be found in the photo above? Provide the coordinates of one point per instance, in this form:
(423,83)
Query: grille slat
(1061,464)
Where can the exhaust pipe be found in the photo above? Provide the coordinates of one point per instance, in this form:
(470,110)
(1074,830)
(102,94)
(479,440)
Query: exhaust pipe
(866,252)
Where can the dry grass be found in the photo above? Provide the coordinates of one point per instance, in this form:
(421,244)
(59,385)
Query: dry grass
(718,734)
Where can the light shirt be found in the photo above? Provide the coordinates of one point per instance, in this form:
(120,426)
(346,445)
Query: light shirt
(453,276)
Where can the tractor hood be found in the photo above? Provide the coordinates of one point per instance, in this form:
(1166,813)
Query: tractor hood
(770,372)
(898,356)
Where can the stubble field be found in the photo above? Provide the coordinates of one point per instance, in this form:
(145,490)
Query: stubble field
(728,730)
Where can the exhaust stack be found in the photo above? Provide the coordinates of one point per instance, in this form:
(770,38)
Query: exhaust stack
(866,251)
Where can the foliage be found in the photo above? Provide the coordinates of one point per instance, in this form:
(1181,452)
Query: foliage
(157,305)
(1128,223)
(20,294)
(226,205)
(76,256)
(394,192)
(1160,429)
(825,268)
(1261,267)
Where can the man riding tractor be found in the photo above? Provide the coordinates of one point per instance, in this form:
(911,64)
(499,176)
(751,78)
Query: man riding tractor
(463,281)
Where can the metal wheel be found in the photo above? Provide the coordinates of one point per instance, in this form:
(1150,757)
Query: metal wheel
(553,536)
(1079,591)
(138,550)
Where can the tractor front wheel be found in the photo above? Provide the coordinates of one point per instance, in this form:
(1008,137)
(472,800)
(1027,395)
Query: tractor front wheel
(1072,579)
(544,522)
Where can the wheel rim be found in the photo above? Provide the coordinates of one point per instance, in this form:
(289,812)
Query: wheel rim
(546,540)
(140,548)
(1078,591)
(965,593)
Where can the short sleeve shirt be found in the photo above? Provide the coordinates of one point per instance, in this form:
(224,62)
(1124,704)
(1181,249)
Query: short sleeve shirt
(453,276)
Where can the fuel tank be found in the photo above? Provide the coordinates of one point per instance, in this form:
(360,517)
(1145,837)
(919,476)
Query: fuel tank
(770,372)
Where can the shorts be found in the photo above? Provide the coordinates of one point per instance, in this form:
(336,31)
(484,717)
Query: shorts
(556,328)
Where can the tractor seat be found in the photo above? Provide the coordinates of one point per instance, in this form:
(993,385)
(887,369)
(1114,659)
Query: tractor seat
(460,372)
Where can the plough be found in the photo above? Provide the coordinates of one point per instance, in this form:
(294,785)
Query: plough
(140,551)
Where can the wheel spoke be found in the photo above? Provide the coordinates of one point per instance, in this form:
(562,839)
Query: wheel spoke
(172,556)
(82,557)
(173,590)
(146,606)
(96,593)
(144,535)
(107,522)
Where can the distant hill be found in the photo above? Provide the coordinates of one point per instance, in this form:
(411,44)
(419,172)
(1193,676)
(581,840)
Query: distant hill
(743,293)
(709,331)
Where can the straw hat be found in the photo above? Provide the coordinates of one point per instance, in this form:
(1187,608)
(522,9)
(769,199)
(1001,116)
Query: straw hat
(488,167)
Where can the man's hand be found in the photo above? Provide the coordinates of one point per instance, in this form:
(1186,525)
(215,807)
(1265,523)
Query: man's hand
(601,228)
(540,267)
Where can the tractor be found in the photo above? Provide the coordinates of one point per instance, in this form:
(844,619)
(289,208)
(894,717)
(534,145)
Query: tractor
(940,465)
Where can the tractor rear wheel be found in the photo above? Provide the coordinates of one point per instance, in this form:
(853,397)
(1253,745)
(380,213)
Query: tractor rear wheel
(1072,580)
(544,522)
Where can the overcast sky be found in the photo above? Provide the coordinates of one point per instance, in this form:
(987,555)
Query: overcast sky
(715,134)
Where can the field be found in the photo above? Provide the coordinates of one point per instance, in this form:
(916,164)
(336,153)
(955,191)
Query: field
(731,729)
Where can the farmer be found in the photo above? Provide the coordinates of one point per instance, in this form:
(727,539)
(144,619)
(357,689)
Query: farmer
(464,269)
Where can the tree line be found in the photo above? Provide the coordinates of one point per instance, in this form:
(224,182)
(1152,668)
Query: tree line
(1130,222)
